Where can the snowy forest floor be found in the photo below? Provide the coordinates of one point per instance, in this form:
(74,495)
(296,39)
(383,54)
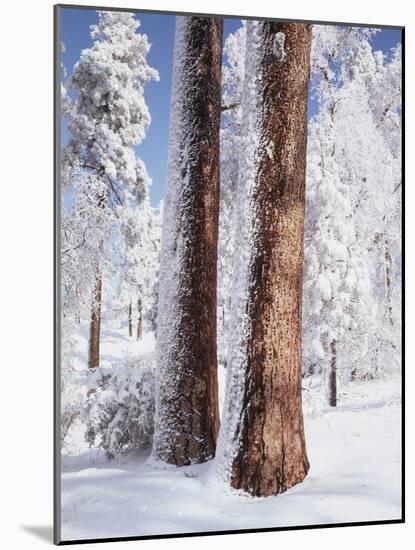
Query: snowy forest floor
(355,475)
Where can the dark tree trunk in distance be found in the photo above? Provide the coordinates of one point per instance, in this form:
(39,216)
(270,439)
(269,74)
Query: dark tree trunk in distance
(272,453)
(139,321)
(95,325)
(388,280)
(187,411)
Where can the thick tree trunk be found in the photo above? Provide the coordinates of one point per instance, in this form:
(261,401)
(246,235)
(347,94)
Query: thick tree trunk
(139,321)
(130,319)
(95,325)
(269,453)
(187,415)
(333,375)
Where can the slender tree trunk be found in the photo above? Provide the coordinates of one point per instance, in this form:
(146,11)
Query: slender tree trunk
(333,375)
(139,321)
(187,415)
(387,269)
(388,280)
(265,422)
(95,325)
(130,319)
(77,313)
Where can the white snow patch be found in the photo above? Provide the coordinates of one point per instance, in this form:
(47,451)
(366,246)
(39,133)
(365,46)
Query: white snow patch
(355,475)
(278,46)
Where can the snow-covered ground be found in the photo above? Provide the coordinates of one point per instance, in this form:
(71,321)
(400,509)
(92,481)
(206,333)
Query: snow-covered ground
(355,475)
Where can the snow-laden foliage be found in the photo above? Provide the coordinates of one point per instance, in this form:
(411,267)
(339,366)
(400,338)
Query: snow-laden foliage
(230,140)
(72,391)
(352,241)
(228,446)
(104,185)
(110,115)
(119,409)
(138,288)
(65,99)
(338,301)
(100,171)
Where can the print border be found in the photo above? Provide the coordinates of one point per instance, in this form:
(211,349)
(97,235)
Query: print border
(56,304)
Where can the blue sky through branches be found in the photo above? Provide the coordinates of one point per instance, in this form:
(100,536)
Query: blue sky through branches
(75,31)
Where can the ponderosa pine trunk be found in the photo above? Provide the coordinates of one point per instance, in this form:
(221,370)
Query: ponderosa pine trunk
(187,415)
(264,417)
(95,325)
(139,321)
(333,375)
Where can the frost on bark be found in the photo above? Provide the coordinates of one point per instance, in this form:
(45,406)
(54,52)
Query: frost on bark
(262,448)
(187,416)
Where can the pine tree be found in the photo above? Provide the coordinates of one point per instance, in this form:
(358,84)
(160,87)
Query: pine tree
(351,211)
(262,446)
(140,252)
(187,417)
(108,117)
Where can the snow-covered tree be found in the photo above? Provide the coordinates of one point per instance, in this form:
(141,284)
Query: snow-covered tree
(187,415)
(350,185)
(230,142)
(261,447)
(372,83)
(338,309)
(119,408)
(141,229)
(108,117)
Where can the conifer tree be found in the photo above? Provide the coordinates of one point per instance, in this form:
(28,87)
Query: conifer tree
(108,117)
(187,416)
(262,446)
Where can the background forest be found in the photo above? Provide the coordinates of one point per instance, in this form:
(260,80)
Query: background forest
(118,277)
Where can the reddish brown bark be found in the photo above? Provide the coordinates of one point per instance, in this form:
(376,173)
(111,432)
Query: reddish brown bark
(188,413)
(272,454)
(95,325)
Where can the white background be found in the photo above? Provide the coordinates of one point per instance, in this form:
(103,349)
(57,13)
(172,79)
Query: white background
(26,282)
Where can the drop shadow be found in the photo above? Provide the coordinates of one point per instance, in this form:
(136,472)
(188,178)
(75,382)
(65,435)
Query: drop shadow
(42,532)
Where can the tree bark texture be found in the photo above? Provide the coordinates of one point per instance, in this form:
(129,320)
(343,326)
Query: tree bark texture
(270,454)
(187,415)
(95,325)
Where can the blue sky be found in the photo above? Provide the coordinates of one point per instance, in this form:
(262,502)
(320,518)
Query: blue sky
(75,28)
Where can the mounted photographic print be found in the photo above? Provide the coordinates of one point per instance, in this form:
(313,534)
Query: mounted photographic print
(228,274)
